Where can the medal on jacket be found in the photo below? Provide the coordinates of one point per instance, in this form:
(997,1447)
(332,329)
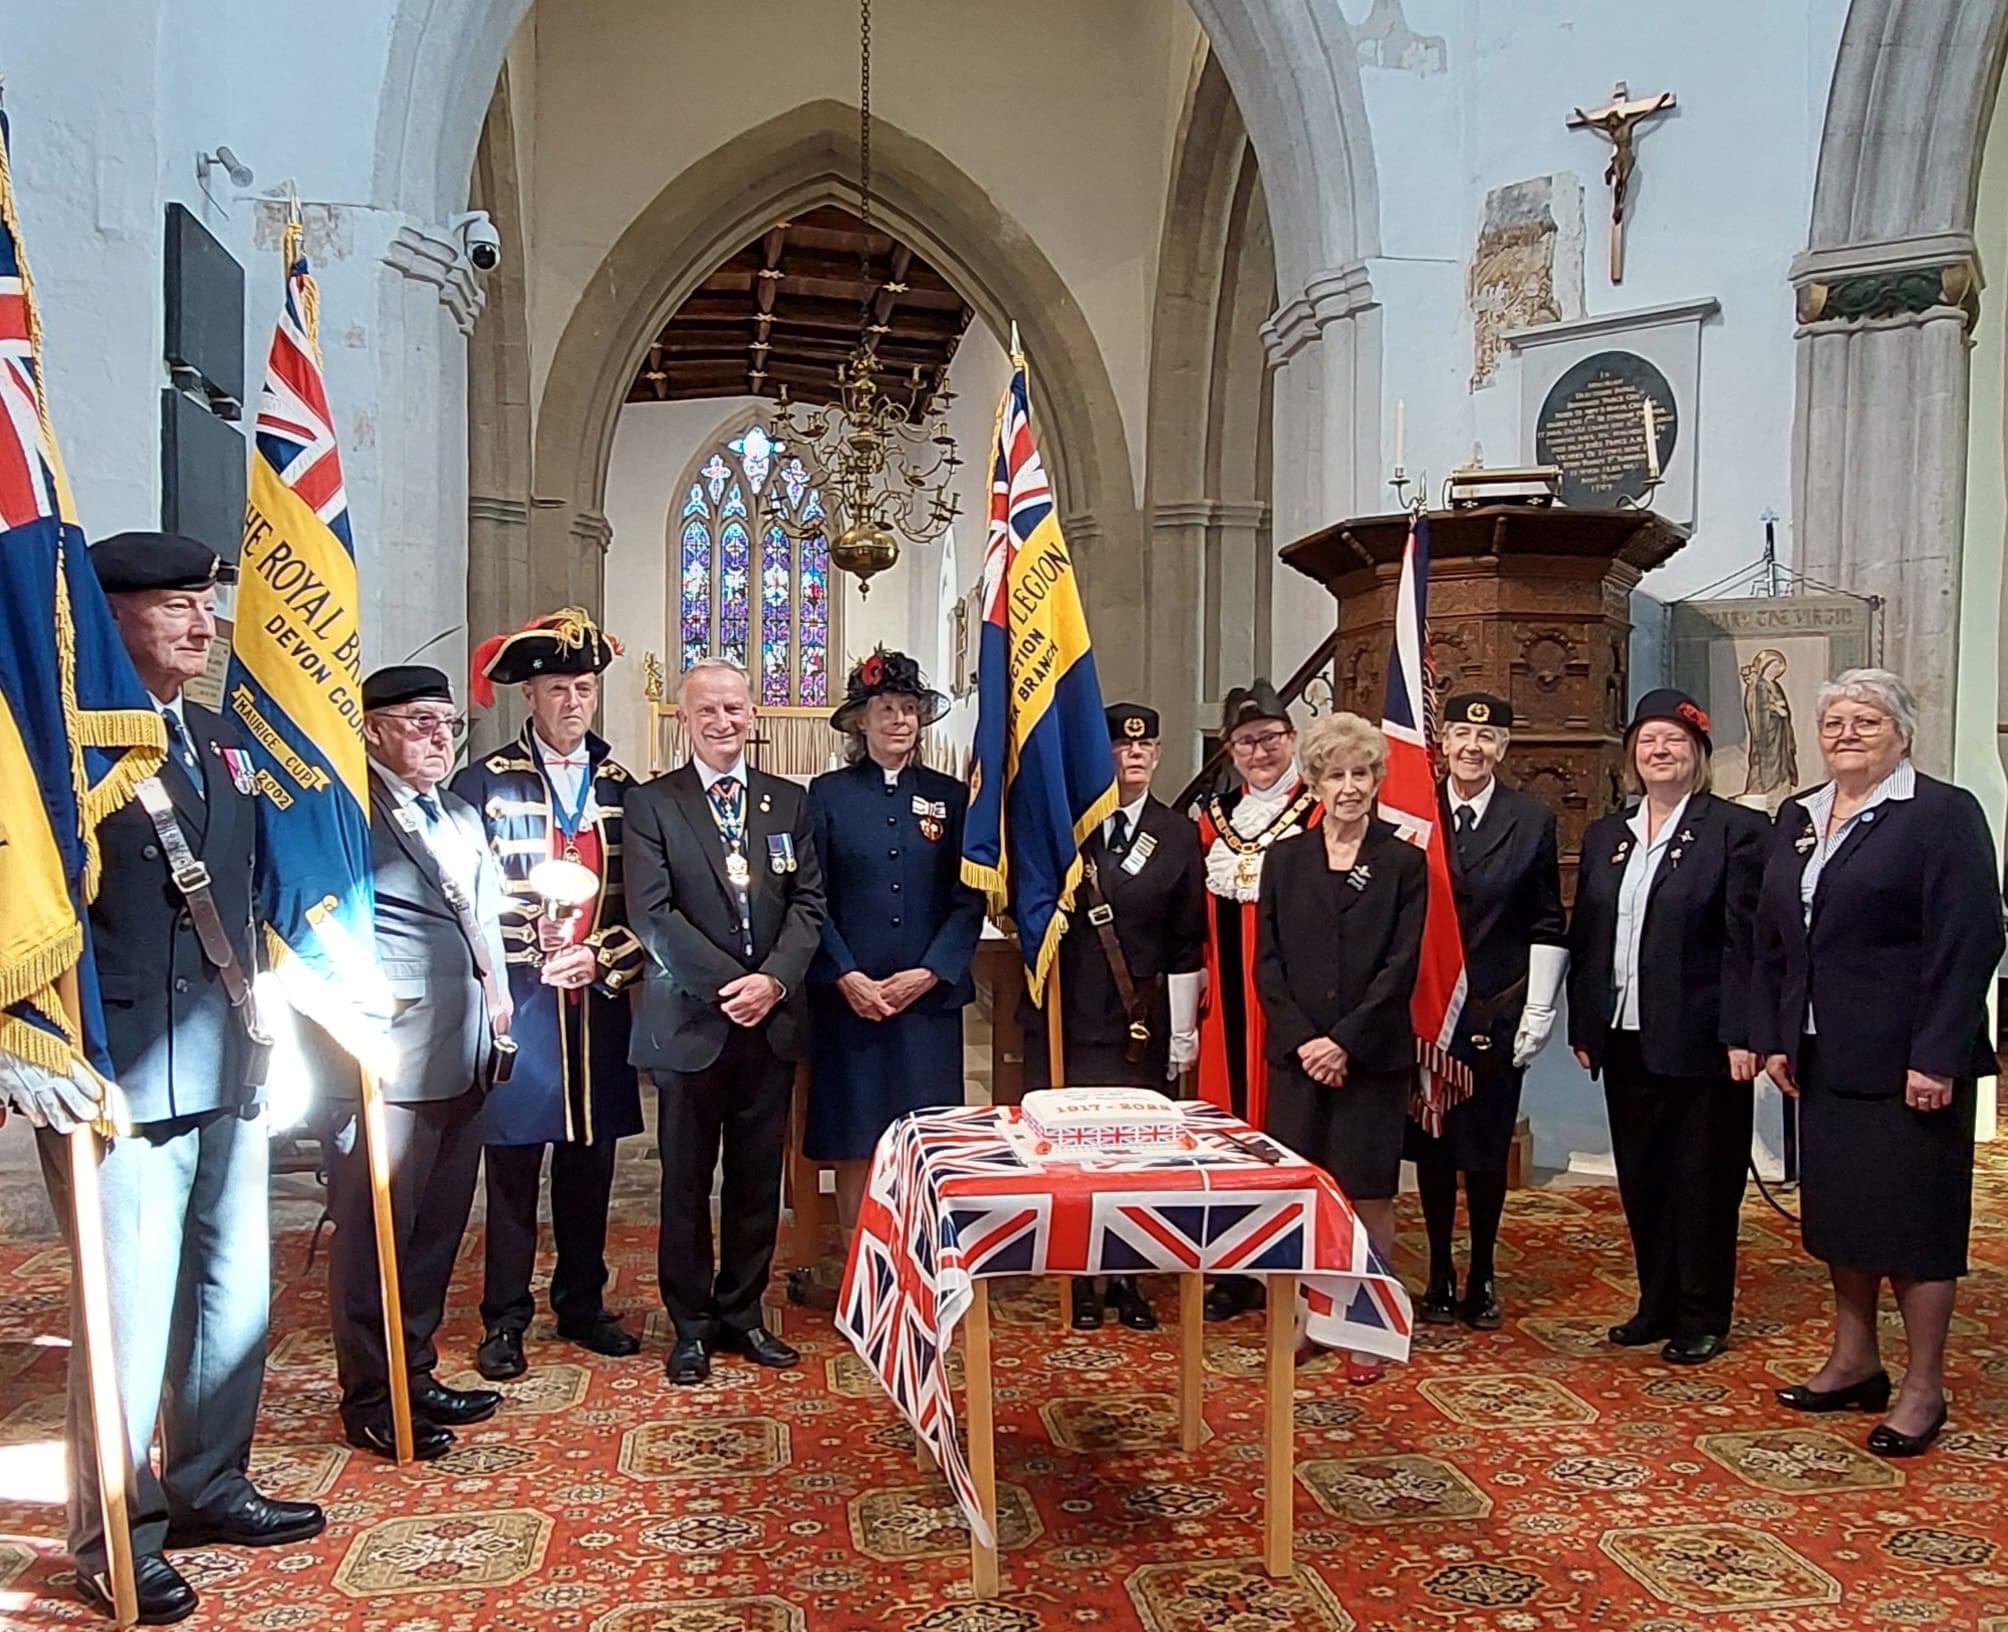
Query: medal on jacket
(737,870)
(568,820)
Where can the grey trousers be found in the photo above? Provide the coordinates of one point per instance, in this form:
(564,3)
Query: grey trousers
(188,1258)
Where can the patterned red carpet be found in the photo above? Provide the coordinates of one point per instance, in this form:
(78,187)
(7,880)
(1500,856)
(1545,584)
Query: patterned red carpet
(1529,1480)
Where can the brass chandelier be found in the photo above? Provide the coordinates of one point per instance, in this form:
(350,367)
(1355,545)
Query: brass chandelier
(882,453)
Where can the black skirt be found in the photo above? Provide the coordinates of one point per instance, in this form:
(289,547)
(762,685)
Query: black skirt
(1477,1135)
(1882,1187)
(1353,1132)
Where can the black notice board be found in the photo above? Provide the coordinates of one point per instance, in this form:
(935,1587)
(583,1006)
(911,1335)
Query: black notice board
(202,475)
(204,291)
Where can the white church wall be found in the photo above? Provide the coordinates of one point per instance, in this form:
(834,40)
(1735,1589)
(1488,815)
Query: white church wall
(1081,169)
(1718,207)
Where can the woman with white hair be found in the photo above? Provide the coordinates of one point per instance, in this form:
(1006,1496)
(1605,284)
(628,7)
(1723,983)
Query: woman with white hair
(1878,934)
(1338,943)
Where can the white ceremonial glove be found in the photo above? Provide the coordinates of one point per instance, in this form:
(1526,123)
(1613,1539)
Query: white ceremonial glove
(1547,967)
(1184,994)
(48,1099)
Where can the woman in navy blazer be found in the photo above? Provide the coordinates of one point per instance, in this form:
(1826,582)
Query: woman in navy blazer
(1659,978)
(1879,934)
(889,983)
(1338,941)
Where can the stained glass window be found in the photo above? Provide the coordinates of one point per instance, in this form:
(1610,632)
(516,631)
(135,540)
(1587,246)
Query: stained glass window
(750,590)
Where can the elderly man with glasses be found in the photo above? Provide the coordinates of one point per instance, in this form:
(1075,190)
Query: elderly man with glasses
(1269,802)
(439,941)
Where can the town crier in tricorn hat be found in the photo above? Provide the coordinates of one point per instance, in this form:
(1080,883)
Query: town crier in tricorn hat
(550,802)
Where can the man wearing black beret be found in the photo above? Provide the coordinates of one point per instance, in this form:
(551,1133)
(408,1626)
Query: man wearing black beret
(187,1230)
(439,941)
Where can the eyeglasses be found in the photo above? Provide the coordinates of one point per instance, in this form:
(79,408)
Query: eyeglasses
(1258,745)
(1867,727)
(418,726)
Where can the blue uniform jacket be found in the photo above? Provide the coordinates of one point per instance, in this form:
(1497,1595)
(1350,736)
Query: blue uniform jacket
(572,1081)
(892,869)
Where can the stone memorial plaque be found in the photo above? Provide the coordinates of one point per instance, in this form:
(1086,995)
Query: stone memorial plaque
(1592,426)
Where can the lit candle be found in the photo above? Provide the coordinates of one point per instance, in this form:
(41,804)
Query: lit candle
(1400,434)
(1651,440)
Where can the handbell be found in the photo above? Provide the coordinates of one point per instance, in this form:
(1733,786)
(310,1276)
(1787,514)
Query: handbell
(564,887)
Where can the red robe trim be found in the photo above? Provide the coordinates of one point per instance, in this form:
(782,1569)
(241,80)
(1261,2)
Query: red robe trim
(1216,1084)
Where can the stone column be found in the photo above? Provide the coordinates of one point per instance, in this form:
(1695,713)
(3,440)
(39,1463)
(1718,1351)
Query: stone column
(1879,446)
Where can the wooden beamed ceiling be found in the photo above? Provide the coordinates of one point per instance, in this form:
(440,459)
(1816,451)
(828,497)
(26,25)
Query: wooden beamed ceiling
(797,301)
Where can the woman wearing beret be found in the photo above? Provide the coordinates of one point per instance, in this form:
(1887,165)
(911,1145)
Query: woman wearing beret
(1878,935)
(1338,943)
(1507,882)
(1659,979)
(888,986)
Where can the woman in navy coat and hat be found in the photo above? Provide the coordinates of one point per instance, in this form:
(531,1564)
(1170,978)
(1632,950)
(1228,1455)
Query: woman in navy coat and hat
(889,983)
(1660,949)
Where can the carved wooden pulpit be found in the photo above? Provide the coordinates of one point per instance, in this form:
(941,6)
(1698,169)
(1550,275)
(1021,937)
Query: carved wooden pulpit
(1529,602)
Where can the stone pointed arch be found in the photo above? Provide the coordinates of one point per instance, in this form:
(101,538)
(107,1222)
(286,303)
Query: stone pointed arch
(1886,295)
(440,70)
(794,162)
(1207,479)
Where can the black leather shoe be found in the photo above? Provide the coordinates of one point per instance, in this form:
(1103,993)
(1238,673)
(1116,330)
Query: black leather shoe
(1132,1307)
(1480,1309)
(164,1597)
(1637,1332)
(1886,1441)
(1697,1350)
(251,1521)
(428,1439)
(453,1407)
(760,1346)
(603,1334)
(1439,1303)
(688,1363)
(1870,1394)
(500,1356)
(1087,1304)
(1232,1295)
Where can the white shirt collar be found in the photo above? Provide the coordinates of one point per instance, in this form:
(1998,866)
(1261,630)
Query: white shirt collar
(548,754)
(174,705)
(1131,813)
(709,776)
(1478,806)
(1901,783)
(1667,828)
(402,791)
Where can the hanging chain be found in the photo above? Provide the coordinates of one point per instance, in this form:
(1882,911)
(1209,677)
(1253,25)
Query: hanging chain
(865,115)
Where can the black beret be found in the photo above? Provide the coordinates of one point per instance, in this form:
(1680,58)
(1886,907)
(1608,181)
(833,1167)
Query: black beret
(1245,704)
(1667,703)
(405,683)
(1478,708)
(1131,722)
(128,562)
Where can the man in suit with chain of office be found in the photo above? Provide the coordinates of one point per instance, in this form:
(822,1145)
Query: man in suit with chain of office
(726,894)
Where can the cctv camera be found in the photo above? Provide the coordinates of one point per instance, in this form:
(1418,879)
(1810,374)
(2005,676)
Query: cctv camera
(480,239)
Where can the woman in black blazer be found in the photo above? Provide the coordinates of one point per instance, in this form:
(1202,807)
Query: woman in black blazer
(1659,978)
(1338,942)
(1878,936)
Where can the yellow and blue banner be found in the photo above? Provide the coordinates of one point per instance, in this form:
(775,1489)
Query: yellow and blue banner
(1044,776)
(77,732)
(295,688)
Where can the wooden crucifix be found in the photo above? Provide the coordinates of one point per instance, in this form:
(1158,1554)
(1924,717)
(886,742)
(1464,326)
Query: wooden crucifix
(1617,121)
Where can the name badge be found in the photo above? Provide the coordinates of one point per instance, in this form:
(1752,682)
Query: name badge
(404,818)
(1141,849)
(780,852)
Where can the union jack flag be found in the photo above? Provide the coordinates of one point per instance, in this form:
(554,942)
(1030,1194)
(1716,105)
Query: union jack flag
(959,1194)
(296,432)
(1412,722)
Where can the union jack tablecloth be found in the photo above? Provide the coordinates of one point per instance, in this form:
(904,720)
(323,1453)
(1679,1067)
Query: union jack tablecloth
(955,1194)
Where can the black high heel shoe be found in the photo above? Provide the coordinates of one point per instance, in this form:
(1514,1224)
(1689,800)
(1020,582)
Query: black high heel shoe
(1870,1394)
(1886,1441)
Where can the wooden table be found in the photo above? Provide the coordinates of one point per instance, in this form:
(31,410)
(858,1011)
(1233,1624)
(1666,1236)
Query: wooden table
(957,1198)
(1279,1380)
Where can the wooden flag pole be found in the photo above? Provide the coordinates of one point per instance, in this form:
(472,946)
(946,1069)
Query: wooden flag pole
(108,1424)
(375,1143)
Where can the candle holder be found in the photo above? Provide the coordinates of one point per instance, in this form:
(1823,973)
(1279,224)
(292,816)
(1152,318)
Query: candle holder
(1644,500)
(1400,483)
